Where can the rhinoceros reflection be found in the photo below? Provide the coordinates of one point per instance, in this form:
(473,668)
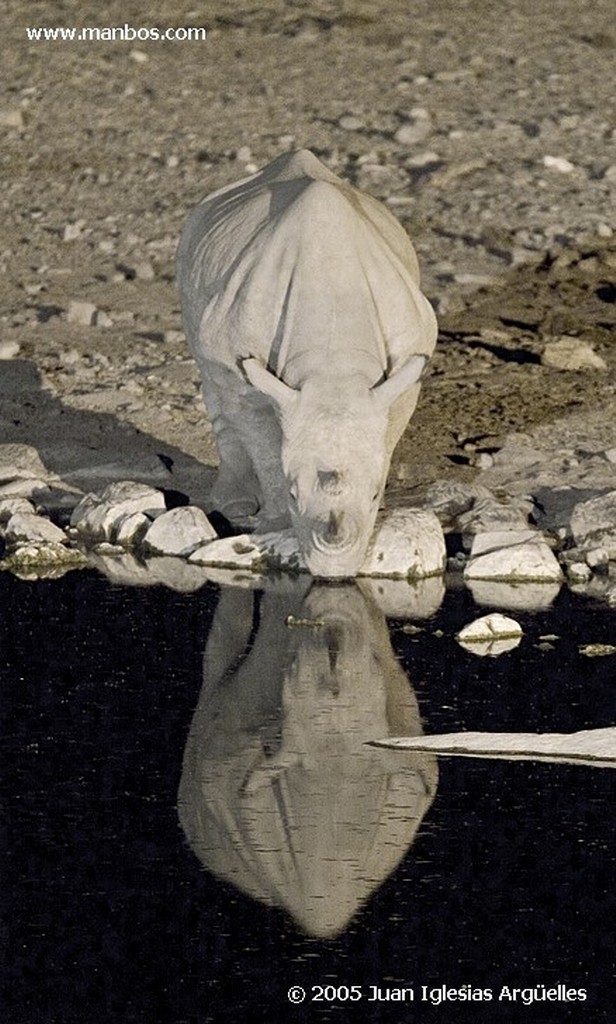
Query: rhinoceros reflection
(279,793)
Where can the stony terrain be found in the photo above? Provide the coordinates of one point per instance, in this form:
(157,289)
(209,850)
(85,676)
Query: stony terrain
(492,138)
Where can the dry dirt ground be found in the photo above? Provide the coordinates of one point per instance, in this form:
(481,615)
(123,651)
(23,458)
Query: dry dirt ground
(488,128)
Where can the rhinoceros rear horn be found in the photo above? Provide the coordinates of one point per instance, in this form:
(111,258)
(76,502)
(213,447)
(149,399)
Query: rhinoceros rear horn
(267,383)
(399,382)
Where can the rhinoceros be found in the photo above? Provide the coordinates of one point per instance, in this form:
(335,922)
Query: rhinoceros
(301,304)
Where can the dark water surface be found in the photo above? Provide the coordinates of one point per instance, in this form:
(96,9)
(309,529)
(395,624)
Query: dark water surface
(295,855)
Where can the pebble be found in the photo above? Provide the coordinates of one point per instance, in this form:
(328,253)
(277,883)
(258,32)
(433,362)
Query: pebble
(81,312)
(474,280)
(579,572)
(558,163)
(9,349)
(569,353)
(351,123)
(144,271)
(73,231)
(12,117)
(412,134)
(490,635)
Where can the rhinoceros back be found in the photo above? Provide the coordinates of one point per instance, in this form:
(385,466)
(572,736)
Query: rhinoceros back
(296,267)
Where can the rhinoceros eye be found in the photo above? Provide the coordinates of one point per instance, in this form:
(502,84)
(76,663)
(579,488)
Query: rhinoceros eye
(293,494)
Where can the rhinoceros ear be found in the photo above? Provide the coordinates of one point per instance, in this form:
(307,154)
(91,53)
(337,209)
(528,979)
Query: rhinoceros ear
(266,382)
(399,382)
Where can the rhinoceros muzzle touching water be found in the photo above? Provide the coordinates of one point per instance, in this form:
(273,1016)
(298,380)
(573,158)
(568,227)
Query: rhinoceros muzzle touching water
(302,306)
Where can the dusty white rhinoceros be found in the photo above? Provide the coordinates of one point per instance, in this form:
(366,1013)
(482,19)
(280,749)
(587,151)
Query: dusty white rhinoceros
(302,306)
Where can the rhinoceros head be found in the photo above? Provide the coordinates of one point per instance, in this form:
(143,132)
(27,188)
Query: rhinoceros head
(335,459)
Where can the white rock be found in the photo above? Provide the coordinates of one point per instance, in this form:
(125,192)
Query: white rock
(103,319)
(489,515)
(9,349)
(579,572)
(568,353)
(532,562)
(597,557)
(131,527)
(423,159)
(591,519)
(174,337)
(23,487)
(73,231)
(20,460)
(81,312)
(407,544)
(12,117)
(558,163)
(256,552)
(474,280)
(144,271)
(490,635)
(595,746)
(411,134)
(449,499)
(351,123)
(98,517)
(496,540)
(179,532)
(28,528)
(9,506)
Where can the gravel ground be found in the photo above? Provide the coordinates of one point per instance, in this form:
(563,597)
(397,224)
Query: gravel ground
(487,128)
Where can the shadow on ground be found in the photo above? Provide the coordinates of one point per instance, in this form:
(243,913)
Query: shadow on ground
(90,449)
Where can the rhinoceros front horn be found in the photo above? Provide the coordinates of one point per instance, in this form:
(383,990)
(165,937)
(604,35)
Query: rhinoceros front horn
(399,382)
(266,382)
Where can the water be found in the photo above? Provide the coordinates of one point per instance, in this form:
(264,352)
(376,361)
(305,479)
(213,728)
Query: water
(295,854)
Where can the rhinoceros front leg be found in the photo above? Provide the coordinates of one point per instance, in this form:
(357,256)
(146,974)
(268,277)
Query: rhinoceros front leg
(236,492)
(262,437)
(250,480)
